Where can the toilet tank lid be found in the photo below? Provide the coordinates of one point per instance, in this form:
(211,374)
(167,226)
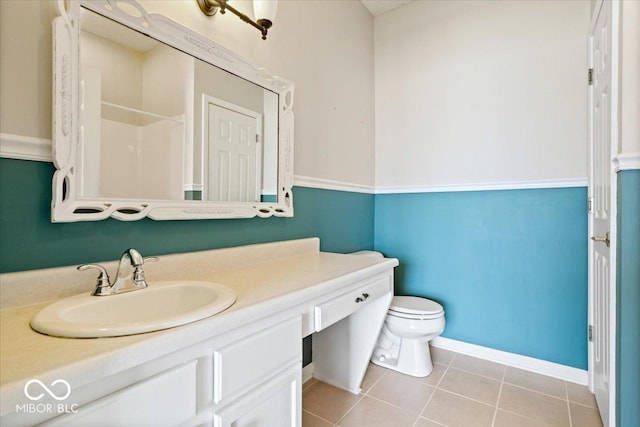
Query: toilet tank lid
(415,305)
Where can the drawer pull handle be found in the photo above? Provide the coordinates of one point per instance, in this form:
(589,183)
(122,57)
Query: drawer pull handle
(364,297)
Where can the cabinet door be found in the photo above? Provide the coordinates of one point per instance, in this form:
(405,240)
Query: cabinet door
(276,403)
(167,399)
(251,360)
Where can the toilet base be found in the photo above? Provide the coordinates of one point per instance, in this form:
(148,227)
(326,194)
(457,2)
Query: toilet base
(413,358)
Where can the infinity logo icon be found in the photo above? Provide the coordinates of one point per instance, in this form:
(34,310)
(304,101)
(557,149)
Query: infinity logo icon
(47,389)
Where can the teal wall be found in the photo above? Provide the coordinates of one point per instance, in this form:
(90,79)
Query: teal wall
(628,302)
(509,266)
(512,275)
(28,239)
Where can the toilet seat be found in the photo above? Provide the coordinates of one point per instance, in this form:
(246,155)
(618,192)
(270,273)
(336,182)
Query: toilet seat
(415,308)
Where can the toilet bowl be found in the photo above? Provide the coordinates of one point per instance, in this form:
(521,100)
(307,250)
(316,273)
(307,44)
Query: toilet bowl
(403,343)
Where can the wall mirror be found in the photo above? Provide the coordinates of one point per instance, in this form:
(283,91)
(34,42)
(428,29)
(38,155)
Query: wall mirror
(154,120)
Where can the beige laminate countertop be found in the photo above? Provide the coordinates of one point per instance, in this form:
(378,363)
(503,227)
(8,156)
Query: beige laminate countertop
(264,287)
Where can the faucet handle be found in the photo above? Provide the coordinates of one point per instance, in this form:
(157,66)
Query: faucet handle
(138,273)
(103,284)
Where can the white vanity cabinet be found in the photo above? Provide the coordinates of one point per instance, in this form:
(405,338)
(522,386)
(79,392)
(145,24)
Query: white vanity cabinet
(347,328)
(240,368)
(275,403)
(166,399)
(257,380)
(254,380)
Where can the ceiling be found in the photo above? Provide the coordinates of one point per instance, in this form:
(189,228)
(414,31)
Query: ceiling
(378,7)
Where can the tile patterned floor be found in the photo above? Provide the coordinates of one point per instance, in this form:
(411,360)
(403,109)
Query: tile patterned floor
(462,391)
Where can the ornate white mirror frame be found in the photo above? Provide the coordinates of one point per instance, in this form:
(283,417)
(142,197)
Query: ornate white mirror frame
(67,205)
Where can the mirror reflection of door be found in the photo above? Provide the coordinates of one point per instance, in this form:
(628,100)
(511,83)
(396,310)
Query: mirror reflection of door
(235,152)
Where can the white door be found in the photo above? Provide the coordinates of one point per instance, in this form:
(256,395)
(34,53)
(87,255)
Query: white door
(601,287)
(234,154)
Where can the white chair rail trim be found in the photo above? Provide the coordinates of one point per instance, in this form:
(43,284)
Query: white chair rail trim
(328,184)
(25,148)
(627,161)
(485,186)
(39,149)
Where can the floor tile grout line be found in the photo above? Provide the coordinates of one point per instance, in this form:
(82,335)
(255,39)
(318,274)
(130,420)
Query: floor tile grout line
(455,354)
(476,373)
(366,393)
(360,397)
(535,391)
(566,395)
(524,416)
(429,419)
(582,404)
(306,385)
(466,397)
(495,413)
(318,416)
(412,380)
(418,381)
(435,388)
(403,409)
(438,386)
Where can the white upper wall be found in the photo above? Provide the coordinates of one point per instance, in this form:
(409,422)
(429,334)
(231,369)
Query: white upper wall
(630,78)
(477,92)
(25,67)
(324,47)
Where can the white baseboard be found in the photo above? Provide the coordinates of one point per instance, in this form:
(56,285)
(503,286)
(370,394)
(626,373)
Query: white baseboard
(563,372)
(551,369)
(307,373)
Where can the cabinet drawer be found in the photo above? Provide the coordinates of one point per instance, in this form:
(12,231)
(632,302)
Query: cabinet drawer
(328,313)
(243,364)
(167,399)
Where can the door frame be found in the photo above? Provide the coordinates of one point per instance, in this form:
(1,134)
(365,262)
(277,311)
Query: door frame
(614,133)
(209,99)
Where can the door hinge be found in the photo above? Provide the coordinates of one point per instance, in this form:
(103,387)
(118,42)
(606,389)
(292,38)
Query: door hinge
(590,76)
(590,204)
(590,333)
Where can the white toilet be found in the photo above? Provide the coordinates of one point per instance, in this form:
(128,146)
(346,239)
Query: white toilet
(403,343)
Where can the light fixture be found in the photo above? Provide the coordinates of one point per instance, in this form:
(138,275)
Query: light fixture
(264,11)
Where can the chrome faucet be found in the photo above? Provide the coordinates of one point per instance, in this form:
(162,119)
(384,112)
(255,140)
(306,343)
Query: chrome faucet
(129,276)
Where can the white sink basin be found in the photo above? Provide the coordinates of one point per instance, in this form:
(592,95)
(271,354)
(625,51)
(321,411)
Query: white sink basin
(160,306)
